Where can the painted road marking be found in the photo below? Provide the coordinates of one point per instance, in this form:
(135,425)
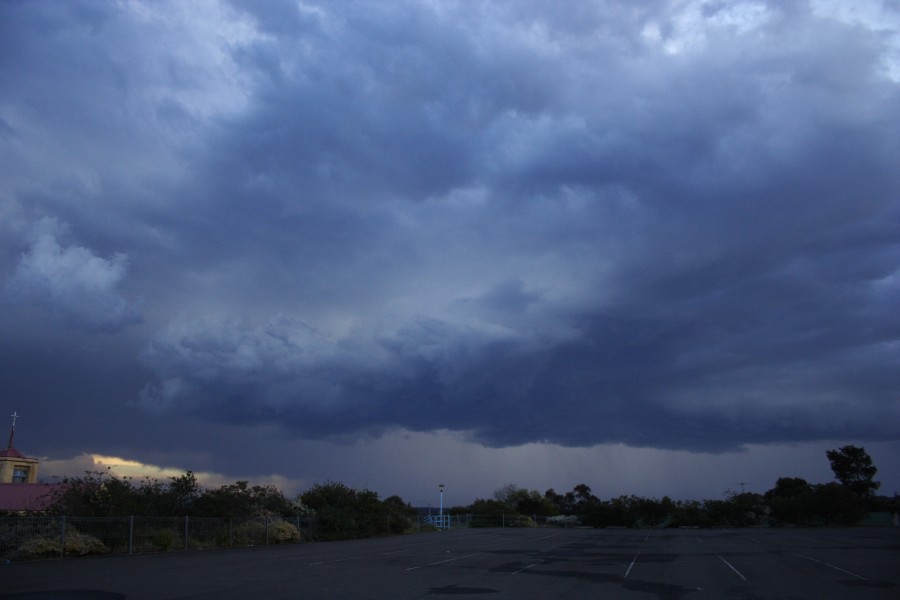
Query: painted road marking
(524,568)
(730,566)
(832,566)
(549,536)
(633,560)
(442,561)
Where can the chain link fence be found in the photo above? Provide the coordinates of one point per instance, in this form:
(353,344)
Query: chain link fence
(29,538)
(24,538)
(456,521)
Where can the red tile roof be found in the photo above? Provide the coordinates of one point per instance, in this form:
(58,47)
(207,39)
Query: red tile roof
(11,452)
(26,496)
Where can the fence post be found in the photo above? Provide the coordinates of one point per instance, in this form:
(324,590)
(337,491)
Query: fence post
(131,534)
(185,532)
(62,537)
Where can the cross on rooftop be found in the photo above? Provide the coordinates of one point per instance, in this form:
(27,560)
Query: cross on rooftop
(12,431)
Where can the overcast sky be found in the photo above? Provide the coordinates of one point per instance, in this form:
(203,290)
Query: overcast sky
(649,246)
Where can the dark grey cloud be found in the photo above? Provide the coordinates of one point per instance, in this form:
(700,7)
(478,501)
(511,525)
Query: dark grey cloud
(668,226)
(71,282)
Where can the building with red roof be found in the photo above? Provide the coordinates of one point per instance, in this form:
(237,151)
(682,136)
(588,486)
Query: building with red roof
(19,490)
(26,497)
(15,467)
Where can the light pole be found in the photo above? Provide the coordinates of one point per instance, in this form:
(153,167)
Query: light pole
(441,487)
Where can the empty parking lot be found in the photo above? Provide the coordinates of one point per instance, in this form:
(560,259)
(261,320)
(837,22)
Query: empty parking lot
(499,563)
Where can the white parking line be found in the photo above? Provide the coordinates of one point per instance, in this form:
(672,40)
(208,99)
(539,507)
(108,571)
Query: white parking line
(524,568)
(730,566)
(633,560)
(442,561)
(549,536)
(832,566)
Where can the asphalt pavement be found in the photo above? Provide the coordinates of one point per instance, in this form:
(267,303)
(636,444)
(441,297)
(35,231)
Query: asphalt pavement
(751,564)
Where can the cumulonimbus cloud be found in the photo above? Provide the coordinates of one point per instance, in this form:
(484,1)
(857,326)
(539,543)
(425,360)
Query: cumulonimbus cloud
(71,281)
(671,225)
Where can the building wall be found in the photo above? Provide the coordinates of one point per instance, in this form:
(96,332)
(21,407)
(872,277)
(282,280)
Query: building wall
(12,469)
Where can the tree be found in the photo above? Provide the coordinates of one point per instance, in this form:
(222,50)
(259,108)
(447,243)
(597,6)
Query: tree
(837,504)
(853,467)
(97,494)
(531,503)
(507,495)
(745,509)
(583,495)
(563,503)
(401,515)
(487,507)
(345,513)
(240,499)
(174,498)
(524,502)
(791,501)
(183,491)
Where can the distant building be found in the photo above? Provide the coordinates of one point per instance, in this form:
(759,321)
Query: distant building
(18,476)
(27,497)
(15,467)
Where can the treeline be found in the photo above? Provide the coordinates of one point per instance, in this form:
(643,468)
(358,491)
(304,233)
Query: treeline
(343,512)
(340,511)
(792,501)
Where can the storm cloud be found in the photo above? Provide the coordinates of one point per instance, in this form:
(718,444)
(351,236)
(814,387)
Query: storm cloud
(666,225)
(71,281)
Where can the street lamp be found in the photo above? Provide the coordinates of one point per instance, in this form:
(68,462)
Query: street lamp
(441,487)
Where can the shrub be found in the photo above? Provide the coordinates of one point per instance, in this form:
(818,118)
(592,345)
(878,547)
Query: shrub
(250,533)
(563,520)
(166,539)
(82,544)
(282,531)
(37,548)
(399,524)
(78,544)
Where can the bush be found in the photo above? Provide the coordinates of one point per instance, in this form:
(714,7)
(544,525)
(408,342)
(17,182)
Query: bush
(82,544)
(345,513)
(282,531)
(249,533)
(563,520)
(399,524)
(78,544)
(166,539)
(37,548)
